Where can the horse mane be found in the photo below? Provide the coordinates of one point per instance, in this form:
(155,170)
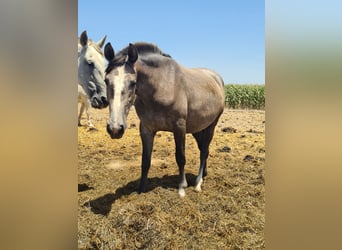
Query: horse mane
(144,49)
(149,48)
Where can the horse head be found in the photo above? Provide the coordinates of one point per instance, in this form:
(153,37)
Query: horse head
(91,67)
(121,81)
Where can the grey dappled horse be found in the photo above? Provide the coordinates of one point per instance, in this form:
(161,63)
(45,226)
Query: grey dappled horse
(167,97)
(91,67)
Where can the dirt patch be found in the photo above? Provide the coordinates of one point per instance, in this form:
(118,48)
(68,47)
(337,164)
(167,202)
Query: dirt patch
(228,130)
(228,213)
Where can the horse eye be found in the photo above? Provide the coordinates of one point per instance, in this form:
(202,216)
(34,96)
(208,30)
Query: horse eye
(132,84)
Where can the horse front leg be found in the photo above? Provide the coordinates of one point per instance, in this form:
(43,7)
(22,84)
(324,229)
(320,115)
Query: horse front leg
(87,110)
(80,114)
(179,136)
(147,138)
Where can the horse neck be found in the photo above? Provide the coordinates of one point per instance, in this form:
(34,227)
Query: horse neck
(148,71)
(142,71)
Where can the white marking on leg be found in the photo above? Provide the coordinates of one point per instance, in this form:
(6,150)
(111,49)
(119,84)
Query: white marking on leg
(182,185)
(181,192)
(198,186)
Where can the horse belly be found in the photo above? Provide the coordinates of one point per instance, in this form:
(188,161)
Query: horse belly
(205,105)
(199,123)
(202,116)
(155,120)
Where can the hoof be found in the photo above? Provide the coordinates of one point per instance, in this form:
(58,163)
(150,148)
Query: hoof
(92,129)
(198,185)
(181,192)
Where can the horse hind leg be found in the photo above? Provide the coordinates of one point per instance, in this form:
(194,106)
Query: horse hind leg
(203,139)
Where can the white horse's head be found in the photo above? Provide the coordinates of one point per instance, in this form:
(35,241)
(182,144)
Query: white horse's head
(91,67)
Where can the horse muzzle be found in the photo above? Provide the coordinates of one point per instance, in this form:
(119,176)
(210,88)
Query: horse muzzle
(115,133)
(99,102)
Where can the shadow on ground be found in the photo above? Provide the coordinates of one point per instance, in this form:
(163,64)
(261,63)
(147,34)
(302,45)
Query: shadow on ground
(103,204)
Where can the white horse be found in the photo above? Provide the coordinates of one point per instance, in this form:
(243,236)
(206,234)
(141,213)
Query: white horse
(91,86)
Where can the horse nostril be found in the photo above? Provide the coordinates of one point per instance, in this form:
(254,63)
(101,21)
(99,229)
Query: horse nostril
(121,128)
(104,101)
(95,102)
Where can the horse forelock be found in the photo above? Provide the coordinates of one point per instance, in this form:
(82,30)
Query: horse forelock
(94,45)
(118,61)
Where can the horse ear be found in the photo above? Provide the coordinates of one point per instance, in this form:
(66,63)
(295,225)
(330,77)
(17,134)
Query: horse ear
(109,52)
(101,42)
(132,53)
(84,38)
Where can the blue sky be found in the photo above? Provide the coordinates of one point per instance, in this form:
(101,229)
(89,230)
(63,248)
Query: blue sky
(224,35)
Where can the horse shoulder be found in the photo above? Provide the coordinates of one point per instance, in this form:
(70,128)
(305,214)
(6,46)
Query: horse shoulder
(161,87)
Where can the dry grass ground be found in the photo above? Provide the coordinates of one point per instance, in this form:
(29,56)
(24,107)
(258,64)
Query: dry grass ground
(229,213)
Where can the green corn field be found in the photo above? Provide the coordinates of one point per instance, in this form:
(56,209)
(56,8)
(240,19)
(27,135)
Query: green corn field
(250,96)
